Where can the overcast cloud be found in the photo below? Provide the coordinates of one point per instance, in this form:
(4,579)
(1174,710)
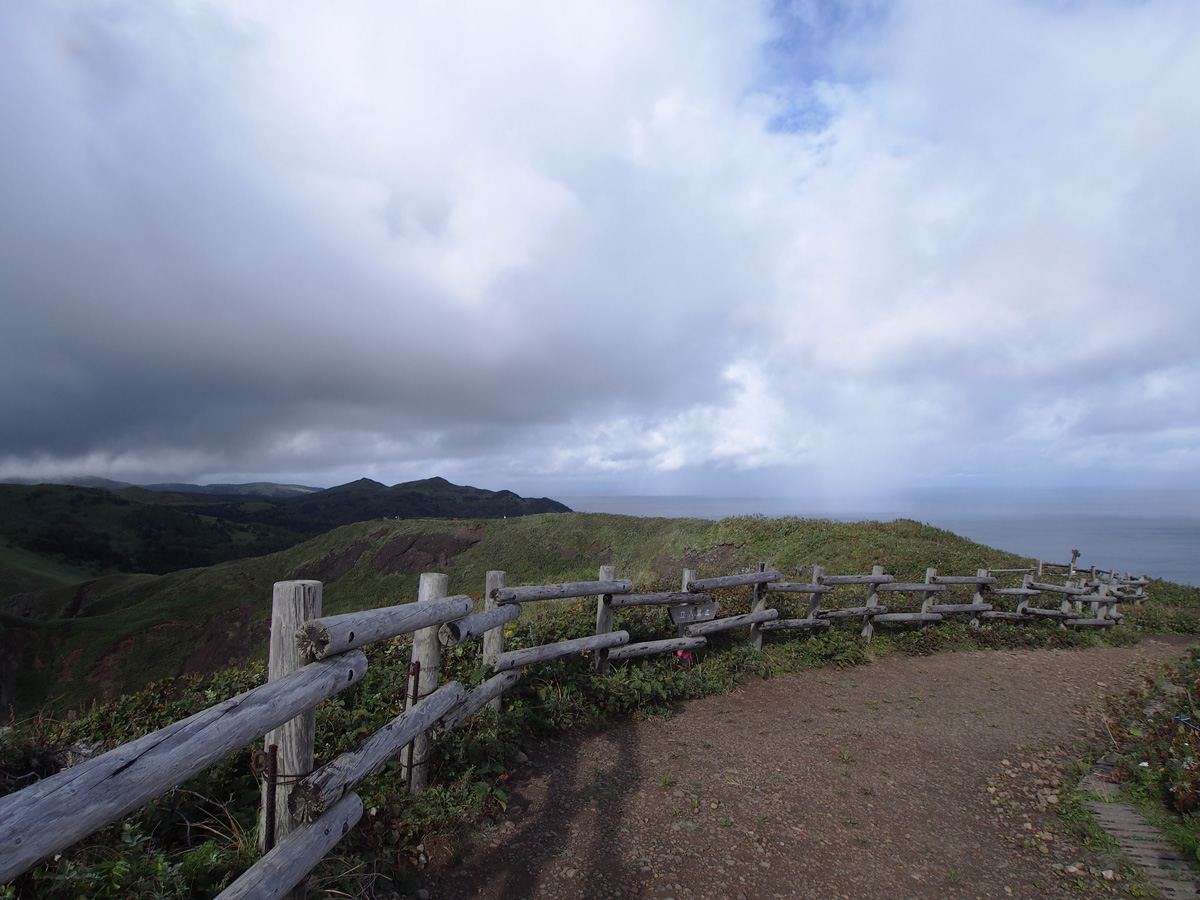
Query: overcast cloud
(808,248)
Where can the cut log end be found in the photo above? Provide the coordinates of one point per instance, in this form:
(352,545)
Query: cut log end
(312,640)
(306,803)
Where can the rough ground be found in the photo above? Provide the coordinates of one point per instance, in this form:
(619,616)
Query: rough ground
(937,776)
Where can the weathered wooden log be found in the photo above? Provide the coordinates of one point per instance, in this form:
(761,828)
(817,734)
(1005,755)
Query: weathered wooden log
(514,659)
(567,591)
(477,698)
(1059,588)
(963,579)
(851,612)
(911,586)
(730,622)
(274,876)
(292,604)
(665,598)
(1014,592)
(604,618)
(454,633)
(797,587)
(959,607)
(324,787)
(493,640)
(1006,616)
(909,617)
(782,624)
(1049,613)
(857,579)
(319,638)
(730,581)
(58,811)
(426,657)
(757,604)
(1091,623)
(650,648)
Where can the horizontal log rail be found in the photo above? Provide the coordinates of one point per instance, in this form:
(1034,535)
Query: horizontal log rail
(911,586)
(1059,588)
(908,617)
(455,632)
(700,629)
(962,579)
(1050,613)
(49,816)
(319,638)
(569,591)
(1002,616)
(651,648)
(852,612)
(783,624)
(857,579)
(514,659)
(959,607)
(797,587)
(732,581)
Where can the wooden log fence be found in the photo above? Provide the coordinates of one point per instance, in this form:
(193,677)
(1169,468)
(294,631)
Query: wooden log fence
(314,657)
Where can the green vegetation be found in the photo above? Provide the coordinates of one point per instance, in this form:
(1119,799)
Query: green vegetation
(1156,729)
(54,535)
(118,632)
(131,630)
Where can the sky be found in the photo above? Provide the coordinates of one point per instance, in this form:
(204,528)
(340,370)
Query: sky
(811,249)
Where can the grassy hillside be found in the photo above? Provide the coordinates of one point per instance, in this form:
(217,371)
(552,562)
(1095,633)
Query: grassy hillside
(61,534)
(116,633)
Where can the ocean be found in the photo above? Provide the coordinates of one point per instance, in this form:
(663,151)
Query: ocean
(1153,533)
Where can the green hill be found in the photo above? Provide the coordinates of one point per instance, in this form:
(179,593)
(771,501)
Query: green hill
(55,535)
(114,634)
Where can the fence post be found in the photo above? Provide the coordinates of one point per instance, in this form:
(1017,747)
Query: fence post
(426,652)
(689,575)
(977,598)
(814,599)
(760,603)
(292,604)
(927,597)
(604,619)
(493,639)
(872,600)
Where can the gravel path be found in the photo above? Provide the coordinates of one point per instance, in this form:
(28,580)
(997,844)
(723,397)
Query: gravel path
(921,777)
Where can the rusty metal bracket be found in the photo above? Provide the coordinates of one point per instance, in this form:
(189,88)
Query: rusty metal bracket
(414,682)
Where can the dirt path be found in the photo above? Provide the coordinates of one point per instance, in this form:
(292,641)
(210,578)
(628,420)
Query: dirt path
(908,777)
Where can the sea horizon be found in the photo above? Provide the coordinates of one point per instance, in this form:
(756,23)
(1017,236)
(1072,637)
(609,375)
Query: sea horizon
(1153,533)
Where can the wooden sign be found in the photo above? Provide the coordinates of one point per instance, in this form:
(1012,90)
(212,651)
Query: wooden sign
(687,613)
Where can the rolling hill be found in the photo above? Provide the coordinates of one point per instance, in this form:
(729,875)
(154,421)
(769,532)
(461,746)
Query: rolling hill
(116,633)
(52,536)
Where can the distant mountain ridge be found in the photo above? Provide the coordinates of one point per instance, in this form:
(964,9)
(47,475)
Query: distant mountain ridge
(52,535)
(255,488)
